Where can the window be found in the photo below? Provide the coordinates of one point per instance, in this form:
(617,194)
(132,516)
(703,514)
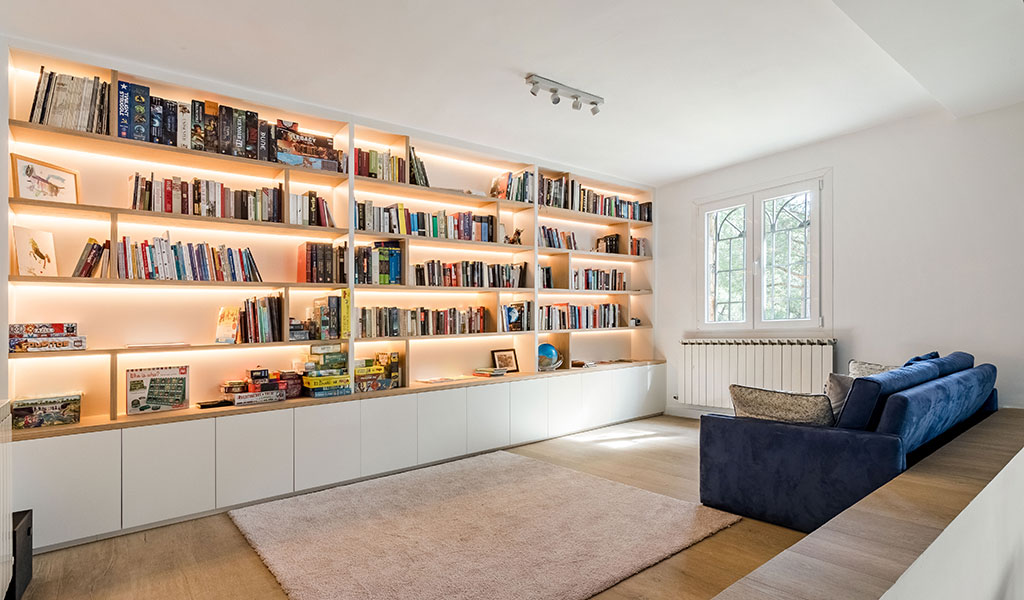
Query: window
(761,251)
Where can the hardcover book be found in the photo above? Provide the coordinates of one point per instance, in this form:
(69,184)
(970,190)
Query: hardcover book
(124,100)
(140,121)
(198,126)
(252,129)
(227,325)
(238,134)
(211,127)
(156,120)
(170,135)
(225,119)
(156,389)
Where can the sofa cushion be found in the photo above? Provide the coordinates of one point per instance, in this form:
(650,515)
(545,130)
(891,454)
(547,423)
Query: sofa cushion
(924,412)
(868,394)
(919,358)
(859,368)
(788,407)
(837,388)
(953,363)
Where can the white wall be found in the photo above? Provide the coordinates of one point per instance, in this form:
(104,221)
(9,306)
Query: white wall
(928,240)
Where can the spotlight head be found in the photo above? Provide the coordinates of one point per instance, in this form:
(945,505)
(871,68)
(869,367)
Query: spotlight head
(594,108)
(555,98)
(535,89)
(576,103)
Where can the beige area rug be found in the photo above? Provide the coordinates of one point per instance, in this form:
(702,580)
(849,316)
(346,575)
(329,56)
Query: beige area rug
(492,527)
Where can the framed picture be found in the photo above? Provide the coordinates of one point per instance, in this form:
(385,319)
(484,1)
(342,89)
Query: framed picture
(38,180)
(34,251)
(505,359)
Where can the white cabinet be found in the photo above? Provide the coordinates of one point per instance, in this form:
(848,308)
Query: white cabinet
(654,400)
(326,444)
(254,456)
(72,483)
(565,409)
(167,471)
(388,434)
(629,389)
(487,417)
(528,410)
(597,398)
(441,424)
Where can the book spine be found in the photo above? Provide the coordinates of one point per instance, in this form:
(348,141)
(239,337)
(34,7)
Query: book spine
(140,112)
(224,125)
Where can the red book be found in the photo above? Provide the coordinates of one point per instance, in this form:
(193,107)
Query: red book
(168,196)
(144,250)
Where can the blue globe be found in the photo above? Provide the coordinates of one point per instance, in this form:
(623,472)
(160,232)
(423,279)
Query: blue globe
(548,358)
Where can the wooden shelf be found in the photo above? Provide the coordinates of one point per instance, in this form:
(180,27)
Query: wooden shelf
(566,214)
(420,240)
(571,292)
(47,135)
(402,338)
(595,330)
(103,422)
(419,192)
(438,289)
(20,280)
(169,348)
(588,254)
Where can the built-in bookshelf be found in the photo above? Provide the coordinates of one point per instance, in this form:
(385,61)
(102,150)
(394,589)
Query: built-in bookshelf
(134,323)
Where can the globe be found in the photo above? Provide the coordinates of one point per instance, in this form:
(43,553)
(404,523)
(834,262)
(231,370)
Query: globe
(548,358)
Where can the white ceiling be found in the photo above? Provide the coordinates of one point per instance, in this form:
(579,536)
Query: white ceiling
(689,85)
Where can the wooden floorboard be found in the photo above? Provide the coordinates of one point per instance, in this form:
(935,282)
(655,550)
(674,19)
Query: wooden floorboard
(209,559)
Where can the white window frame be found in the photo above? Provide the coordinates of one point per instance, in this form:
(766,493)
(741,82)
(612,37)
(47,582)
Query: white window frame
(819,183)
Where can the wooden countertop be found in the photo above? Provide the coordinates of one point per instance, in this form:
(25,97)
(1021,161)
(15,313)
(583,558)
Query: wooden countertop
(861,553)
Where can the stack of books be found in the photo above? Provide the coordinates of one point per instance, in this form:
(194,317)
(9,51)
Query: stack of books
(78,103)
(490,372)
(44,337)
(382,372)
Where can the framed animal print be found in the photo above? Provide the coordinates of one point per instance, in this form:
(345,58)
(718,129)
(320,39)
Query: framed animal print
(38,180)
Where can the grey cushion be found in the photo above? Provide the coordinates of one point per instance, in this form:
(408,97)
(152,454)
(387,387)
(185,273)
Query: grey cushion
(837,388)
(859,368)
(788,407)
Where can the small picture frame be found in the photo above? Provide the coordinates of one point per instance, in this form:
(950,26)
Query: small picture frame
(38,180)
(505,359)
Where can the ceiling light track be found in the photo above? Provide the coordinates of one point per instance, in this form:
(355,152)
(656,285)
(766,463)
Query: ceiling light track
(558,90)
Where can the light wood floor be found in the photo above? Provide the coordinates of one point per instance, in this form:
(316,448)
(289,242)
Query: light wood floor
(209,558)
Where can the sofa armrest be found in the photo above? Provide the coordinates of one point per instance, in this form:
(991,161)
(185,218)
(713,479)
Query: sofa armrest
(797,476)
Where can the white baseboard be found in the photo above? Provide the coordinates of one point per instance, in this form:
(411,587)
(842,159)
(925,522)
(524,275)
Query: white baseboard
(694,412)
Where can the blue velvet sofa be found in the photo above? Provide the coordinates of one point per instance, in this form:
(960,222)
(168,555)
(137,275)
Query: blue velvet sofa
(800,476)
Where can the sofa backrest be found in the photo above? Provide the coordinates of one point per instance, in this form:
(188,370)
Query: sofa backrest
(867,397)
(920,414)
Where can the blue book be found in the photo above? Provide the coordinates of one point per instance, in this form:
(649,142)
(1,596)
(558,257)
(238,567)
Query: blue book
(192,255)
(231,265)
(124,100)
(395,266)
(139,110)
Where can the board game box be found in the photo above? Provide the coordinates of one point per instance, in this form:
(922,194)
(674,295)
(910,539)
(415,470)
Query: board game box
(156,389)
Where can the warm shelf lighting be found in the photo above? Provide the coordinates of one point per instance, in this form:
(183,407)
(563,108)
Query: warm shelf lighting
(463,162)
(572,223)
(405,199)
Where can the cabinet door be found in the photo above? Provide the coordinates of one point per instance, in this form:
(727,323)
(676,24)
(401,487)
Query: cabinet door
(528,410)
(629,385)
(598,398)
(326,444)
(487,417)
(167,471)
(254,456)
(655,398)
(565,409)
(441,424)
(72,483)
(388,434)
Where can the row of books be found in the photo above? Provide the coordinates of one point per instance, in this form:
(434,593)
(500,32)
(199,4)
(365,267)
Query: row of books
(639,246)
(212,127)
(329,318)
(607,243)
(513,186)
(547,280)
(468,273)
(395,218)
(44,337)
(380,165)
(417,170)
(94,260)
(557,317)
(163,259)
(553,238)
(206,198)
(257,321)
(321,262)
(598,279)
(391,321)
(380,264)
(310,209)
(516,316)
(78,103)
(570,194)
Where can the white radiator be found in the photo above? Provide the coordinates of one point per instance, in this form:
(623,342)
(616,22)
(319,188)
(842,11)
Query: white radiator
(710,365)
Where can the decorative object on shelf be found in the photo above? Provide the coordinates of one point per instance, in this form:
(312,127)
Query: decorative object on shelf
(505,359)
(634,322)
(65,409)
(227,325)
(35,252)
(156,389)
(548,357)
(38,180)
(44,337)
(516,239)
(582,364)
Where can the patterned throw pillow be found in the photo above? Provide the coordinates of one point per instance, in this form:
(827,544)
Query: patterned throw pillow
(859,368)
(837,388)
(788,407)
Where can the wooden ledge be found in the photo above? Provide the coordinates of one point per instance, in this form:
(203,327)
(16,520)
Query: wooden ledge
(861,553)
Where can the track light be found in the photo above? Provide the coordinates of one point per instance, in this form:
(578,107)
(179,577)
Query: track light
(579,97)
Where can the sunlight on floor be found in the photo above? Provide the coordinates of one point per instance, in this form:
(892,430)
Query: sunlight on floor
(618,438)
